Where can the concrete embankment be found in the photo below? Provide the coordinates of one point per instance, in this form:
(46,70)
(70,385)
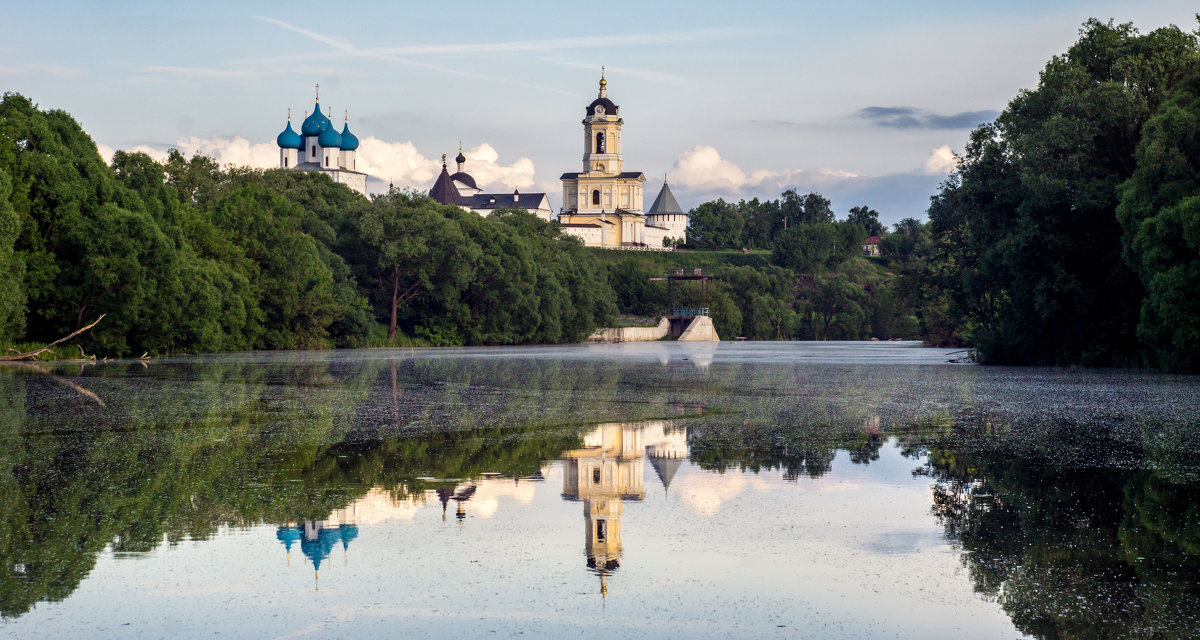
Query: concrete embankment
(698,329)
(701,329)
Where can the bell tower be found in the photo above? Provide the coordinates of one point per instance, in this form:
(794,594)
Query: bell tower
(602,205)
(602,135)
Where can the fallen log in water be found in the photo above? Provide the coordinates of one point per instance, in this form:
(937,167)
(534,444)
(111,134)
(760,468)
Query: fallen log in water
(30,355)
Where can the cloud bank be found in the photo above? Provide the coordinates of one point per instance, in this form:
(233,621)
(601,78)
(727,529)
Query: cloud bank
(701,174)
(400,163)
(914,118)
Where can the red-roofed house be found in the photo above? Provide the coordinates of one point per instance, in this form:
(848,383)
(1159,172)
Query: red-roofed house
(871,246)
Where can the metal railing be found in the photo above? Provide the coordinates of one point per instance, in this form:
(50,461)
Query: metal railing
(688,311)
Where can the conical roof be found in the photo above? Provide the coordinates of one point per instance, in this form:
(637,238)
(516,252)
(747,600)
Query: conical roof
(444,190)
(665,468)
(665,203)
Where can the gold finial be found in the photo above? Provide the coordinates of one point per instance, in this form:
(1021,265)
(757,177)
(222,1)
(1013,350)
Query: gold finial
(318,92)
(289,114)
(443,161)
(331,113)
(347,116)
(603,82)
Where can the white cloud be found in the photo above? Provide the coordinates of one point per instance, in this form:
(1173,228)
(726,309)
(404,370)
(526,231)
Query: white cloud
(396,162)
(703,168)
(483,165)
(237,151)
(940,161)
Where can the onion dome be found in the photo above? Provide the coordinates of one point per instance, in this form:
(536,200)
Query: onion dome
(464,178)
(460,158)
(316,123)
(607,107)
(289,139)
(329,138)
(349,140)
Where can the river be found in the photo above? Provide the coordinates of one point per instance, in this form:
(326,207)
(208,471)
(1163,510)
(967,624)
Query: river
(793,490)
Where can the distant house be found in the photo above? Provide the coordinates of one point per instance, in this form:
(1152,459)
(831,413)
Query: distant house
(871,246)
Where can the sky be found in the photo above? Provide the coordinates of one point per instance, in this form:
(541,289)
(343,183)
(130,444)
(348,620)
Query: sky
(864,102)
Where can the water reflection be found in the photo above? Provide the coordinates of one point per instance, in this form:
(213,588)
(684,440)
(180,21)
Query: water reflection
(1070,496)
(318,538)
(608,470)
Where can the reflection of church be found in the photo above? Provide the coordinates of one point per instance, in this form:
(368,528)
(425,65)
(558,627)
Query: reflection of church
(608,470)
(318,538)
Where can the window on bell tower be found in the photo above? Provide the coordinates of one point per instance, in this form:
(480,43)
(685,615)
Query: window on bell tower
(599,142)
(596,196)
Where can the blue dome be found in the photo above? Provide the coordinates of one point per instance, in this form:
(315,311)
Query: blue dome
(329,138)
(349,140)
(315,123)
(289,139)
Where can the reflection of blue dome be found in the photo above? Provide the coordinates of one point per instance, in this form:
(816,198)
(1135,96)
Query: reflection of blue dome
(289,139)
(329,138)
(315,123)
(349,140)
(288,536)
(349,532)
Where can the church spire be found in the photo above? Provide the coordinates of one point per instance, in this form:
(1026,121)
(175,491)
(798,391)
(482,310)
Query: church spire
(603,84)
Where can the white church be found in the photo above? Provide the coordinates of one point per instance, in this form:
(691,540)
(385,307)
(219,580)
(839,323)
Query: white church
(319,147)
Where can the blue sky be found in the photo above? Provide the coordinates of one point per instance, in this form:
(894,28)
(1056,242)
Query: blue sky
(860,101)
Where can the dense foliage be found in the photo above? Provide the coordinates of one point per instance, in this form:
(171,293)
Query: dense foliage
(185,256)
(1068,233)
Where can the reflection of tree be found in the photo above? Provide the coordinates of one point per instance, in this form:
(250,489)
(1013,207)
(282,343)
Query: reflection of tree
(184,449)
(1062,526)
(796,449)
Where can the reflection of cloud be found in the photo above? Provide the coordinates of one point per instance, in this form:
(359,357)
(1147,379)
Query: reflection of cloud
(704,492)
(914,118)
(379,506)
(488,492)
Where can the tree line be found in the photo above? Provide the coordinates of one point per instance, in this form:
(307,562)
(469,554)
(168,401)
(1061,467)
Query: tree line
(1070,232)
(186,256)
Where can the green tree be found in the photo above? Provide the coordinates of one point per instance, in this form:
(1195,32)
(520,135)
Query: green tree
(1027,233)
(1160,214)
(420,251)
(715,225)
(867,218)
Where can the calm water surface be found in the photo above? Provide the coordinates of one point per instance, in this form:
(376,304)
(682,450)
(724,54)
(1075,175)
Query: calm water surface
(791,490)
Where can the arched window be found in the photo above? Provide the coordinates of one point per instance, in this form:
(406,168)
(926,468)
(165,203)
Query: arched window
(595,196)
(599,142)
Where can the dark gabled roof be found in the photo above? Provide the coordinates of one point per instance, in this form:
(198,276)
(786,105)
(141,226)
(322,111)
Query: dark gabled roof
(665,203)
(872,240)
(498,200)
(572,224)
(568,176)
(464,177)
(651,226)
(444,190)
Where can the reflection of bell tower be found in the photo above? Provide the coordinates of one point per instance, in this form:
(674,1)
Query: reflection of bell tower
(605,472)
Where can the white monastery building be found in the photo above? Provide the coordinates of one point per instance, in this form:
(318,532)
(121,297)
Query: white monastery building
(319,147)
